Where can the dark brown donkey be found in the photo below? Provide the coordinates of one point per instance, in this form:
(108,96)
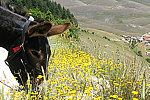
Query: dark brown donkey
(26,42)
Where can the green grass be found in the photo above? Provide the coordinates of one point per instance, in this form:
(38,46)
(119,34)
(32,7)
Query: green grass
(77,74)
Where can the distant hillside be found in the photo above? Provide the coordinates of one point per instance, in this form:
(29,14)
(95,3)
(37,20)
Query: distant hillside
(97,41)
(116,16)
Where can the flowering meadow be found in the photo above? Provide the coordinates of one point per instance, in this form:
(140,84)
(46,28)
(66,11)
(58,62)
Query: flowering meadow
(74,74)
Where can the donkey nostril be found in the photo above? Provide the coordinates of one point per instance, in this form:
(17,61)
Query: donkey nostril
(35,53)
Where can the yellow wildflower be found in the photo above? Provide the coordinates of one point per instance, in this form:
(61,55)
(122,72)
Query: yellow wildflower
(15,77)
(7,93)
(33,96)
(75,84)
(148,85)
(16,98)
(135,99)
(134,92)
(115,96)
(53,83)
(73,91)
(116,84)
(90,88)
(40,76)
(87,91)
(119,98)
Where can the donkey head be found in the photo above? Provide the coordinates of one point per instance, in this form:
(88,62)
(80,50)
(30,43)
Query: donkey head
(36,50)
(27,43)
(36,45)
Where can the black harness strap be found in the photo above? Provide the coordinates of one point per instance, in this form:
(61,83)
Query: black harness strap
(24,59)
(9,58)
(25,29)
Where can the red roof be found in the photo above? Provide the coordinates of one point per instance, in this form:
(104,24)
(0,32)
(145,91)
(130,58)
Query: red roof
(146,37)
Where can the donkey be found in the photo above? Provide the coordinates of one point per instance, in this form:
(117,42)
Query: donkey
(26,42)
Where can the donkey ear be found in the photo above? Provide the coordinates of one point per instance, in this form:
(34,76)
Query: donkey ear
(39,29)
(58,29)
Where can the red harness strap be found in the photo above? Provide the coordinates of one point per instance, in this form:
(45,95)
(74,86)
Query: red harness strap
(17,48)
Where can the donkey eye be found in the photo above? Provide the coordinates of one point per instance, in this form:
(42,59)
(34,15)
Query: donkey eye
(35,54)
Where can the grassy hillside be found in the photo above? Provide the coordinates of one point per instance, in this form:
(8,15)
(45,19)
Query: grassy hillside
(115,16)
(96,43)
(74,74)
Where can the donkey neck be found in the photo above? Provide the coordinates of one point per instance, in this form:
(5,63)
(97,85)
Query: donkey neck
(11,25)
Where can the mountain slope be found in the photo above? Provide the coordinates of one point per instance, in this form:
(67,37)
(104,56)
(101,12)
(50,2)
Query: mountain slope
(115,16)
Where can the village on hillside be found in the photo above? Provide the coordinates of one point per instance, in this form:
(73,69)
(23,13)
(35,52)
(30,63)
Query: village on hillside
(144,39)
